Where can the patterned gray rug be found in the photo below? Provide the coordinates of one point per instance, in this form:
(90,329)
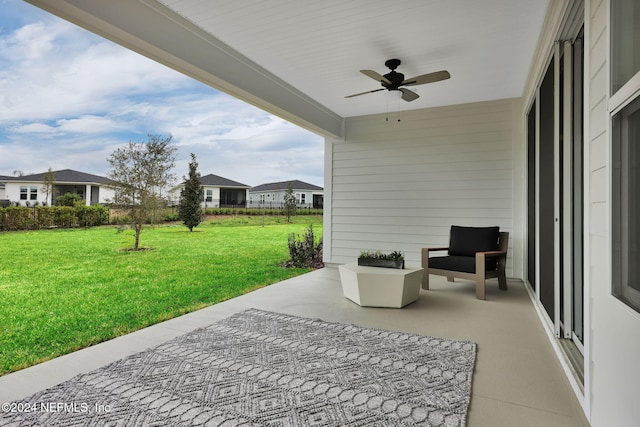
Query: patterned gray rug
(258,368)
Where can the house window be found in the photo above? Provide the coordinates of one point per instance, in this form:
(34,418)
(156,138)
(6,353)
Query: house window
(209,195)
(625,42)
(24,192)
(303,198)
(625,142)
(626,204)
(33,193)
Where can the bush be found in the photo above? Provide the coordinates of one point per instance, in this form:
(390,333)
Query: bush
(89,216)
(171,217)
(69,200)
(46,218)
(64,216)
(15,218)
(258,211)
(304,251)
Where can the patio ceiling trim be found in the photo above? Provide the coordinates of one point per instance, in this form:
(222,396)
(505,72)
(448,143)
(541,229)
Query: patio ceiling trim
(156,32)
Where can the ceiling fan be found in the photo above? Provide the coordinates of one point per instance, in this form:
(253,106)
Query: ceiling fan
(393,80)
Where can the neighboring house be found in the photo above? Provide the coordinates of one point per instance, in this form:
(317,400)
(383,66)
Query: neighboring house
(271,195)
(29,190)
(219,192)
(2,189)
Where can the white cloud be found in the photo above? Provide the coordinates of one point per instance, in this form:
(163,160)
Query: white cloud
(69,98)
(33,128)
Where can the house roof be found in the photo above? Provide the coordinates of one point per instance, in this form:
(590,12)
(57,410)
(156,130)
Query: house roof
(61,176)
(295,184)
(299,60)
(219,181)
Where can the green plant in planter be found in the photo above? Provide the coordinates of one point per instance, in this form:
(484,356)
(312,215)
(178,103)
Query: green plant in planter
(395,255)
(370,258)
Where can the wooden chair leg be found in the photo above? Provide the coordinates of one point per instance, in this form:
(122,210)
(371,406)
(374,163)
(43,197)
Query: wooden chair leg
(480,276)
(502,280)
(425,280)
(480,287)
(425,266)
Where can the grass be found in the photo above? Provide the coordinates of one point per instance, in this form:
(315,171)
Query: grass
(62,290)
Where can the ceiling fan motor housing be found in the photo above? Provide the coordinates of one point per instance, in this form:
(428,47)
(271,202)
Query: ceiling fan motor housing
(394,77)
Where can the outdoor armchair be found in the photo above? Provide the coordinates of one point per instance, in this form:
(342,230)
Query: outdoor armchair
(474,253)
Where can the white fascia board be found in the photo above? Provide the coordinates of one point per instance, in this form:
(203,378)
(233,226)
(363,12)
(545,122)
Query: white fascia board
(155,31)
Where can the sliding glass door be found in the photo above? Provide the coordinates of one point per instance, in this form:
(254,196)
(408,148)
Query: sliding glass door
(555,190)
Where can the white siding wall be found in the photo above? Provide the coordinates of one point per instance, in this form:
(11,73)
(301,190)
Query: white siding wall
(106,194)
(12,192)
(615,342)
(275,198)
(401,185)
(215,196)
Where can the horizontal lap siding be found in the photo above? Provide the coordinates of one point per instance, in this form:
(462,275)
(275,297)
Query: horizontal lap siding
(401,185)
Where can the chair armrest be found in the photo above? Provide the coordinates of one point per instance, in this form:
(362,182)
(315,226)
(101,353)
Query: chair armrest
(492,253)
(435,249)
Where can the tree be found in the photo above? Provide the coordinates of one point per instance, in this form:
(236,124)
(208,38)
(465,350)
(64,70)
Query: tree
(140,172)
(191,196)
(289,202)
(48,182)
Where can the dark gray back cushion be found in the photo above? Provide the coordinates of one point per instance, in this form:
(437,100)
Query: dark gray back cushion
(466,241)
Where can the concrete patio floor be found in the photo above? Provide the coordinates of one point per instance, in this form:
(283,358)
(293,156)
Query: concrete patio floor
(518,380)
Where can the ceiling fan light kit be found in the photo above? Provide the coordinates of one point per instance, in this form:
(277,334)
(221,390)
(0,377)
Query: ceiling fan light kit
(393,80)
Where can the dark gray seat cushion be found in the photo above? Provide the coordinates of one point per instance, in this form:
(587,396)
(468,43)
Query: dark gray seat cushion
(466,264)
(466,241)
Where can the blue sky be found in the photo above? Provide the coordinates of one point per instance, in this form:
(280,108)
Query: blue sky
(68,98)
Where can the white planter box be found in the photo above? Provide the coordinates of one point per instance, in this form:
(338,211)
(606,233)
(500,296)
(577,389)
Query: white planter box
(380,287)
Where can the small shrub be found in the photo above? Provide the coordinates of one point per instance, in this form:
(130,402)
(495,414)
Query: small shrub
(304,251)
(68,200)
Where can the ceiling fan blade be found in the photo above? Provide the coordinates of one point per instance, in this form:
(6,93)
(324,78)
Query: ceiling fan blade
(364,93)
(375,76)
(409,95)
(427,78)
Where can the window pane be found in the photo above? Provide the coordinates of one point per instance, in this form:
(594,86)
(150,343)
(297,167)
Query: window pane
(23,192)
(626,205)
(633,191)
(625,41)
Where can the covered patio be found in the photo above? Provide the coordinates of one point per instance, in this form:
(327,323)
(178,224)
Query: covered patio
(523,136)
(518,380)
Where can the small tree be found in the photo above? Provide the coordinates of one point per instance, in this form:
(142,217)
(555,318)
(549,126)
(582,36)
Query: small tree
(140,172)
(289,202)
(191,196)
(48,182)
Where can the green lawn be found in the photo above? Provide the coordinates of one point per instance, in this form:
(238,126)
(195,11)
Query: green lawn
(62,290)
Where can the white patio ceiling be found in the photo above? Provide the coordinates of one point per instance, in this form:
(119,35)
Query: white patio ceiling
(302,57)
